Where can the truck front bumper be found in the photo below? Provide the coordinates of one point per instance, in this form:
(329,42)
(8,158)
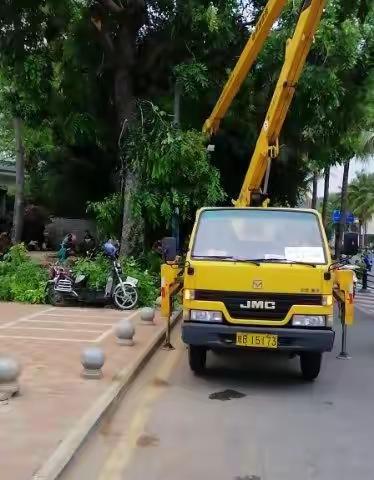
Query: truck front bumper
(216,336)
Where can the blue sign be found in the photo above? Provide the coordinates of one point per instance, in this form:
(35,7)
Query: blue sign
(350,219)
(336,216)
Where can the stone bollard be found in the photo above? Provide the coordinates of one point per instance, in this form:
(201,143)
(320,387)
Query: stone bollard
(92,359)
(147,315)
(9,373)
(125,331)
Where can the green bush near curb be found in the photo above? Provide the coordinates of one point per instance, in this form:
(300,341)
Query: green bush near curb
(21,279)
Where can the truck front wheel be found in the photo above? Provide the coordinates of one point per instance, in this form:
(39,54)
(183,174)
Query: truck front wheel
(310,363)
(197,358)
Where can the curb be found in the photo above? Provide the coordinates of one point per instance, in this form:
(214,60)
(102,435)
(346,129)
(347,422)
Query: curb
(65,451)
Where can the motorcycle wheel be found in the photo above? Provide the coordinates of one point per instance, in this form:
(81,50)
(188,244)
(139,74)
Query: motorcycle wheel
(55,298)
(125,298)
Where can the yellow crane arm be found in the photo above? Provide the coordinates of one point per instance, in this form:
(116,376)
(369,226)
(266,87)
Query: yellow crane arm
(244,64)
(267,147)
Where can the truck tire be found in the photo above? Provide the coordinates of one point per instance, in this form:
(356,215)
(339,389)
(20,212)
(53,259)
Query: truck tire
(197,358)
(310,363)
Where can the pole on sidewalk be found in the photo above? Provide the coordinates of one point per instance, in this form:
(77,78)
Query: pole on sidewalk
(343,355)
(365,280)
(167,345)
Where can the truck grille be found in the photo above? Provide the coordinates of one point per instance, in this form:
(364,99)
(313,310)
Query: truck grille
(233,300)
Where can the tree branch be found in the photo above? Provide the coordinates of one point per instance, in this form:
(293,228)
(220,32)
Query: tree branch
(104,35)
(112,6)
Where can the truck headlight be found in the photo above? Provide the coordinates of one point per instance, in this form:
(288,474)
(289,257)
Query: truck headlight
(189,294)
(309,321)
(327,300)
(205,316)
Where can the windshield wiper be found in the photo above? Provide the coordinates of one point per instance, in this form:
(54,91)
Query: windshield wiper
(280,260)
(229,258)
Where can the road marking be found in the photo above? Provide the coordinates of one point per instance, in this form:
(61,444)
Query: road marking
(77,310)
(124,450)
(79,316)
(61,322)
(26,317)
(56,329)
(24,337)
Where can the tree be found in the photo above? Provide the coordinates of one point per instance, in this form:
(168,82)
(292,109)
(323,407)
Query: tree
(361,201)
(25,79)
(173,167)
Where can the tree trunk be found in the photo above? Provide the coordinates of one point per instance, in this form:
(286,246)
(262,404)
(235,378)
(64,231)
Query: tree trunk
(343,210)
(20,183)
(126,112)
(325,196)
(177,104)
(133,232)
(360,236)
(314,192)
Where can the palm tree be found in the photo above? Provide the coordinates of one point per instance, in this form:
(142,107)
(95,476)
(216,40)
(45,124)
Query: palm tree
(361,200)
(367,144)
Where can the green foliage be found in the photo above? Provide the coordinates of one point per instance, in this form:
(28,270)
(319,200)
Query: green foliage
(173,167)
(97,272)
(58,73)
(149,284)
(361,197)
(193,77)
(107,215)
(21,280)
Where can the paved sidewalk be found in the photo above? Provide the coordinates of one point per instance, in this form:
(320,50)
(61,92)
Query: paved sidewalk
(48,341)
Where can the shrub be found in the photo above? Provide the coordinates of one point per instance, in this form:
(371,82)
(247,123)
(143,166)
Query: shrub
(148,285)
(21,280)
(97,271)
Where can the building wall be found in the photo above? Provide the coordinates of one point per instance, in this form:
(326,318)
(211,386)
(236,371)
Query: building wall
(59,227)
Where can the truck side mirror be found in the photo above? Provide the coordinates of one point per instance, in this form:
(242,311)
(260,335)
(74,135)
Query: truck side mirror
(350,243)
(169,248)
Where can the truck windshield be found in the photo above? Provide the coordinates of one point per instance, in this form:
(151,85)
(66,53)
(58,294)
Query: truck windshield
(268,235)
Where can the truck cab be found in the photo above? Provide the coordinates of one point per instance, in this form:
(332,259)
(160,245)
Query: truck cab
(258,278)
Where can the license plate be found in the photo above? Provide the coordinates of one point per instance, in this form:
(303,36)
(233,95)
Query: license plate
(132,280)
(257,340)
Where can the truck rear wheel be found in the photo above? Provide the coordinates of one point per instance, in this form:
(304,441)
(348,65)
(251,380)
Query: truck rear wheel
(197,358)
(310,363)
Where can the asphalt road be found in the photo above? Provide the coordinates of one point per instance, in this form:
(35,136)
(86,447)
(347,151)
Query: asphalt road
(173,425)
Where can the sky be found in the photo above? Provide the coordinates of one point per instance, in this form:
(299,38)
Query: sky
(336,174)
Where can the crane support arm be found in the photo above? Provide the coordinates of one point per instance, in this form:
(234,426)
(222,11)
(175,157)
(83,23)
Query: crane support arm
(297,49)
(244,64)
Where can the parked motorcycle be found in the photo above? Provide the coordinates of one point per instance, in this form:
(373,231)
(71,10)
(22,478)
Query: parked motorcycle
(63,287)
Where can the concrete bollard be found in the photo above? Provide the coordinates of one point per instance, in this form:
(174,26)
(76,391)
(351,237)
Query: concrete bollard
(125,331)
(147,315)
(9,373)
(92,359)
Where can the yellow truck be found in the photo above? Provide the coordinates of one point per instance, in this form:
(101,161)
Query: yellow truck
(257,277)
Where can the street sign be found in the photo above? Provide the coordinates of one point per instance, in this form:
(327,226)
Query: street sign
(336,216)
(350,219)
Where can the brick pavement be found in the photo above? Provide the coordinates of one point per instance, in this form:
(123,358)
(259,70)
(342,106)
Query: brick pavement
(48,341)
